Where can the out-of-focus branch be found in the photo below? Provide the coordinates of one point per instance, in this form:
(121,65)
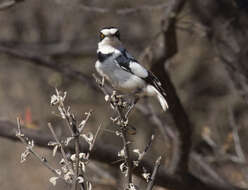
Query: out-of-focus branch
(180,118)
(153,118)
(8,4)
(47,61)
(240,157)
(168,134)
(154,173)
(156,58)
(59,48)
(210,172)
(123,11)
(228,34)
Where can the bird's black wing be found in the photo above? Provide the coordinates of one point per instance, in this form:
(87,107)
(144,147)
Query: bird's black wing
(129,64)
(124,63)
(153,80)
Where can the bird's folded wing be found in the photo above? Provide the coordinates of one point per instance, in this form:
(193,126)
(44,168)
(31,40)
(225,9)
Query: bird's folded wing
(129,64)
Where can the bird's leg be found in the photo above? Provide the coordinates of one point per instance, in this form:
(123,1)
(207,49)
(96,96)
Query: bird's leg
(100,82)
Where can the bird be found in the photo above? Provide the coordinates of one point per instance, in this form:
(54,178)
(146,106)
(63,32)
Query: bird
(123,71)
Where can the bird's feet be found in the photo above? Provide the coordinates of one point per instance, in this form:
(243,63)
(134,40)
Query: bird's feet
(100,82)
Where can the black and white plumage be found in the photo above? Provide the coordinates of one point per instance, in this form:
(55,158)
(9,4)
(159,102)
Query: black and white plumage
(123,71)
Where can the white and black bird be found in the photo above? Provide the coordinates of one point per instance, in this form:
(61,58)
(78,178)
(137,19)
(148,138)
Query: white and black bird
(123,71)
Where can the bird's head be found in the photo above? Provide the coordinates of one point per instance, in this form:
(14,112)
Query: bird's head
(110,36)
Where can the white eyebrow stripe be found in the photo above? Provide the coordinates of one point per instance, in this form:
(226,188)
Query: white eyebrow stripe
(110,31)
(113,30)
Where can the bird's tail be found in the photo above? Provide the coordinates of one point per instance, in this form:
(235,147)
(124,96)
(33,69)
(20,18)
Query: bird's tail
(162,101)
(159,93)
(155,89)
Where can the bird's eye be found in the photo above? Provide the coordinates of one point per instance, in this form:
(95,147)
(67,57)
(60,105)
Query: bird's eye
(102,36)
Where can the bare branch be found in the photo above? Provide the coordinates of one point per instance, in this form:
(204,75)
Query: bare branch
(84,122)
(154,173)
(94,140)
(58,99)
(29,148)
(60,146)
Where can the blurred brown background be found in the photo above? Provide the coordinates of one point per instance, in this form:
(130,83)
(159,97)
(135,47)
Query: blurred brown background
(67,32)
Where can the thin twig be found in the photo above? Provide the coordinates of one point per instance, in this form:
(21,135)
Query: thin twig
(60,145)
(155,170)
(81,127)
(142,154)
(29,147)
(94,140)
